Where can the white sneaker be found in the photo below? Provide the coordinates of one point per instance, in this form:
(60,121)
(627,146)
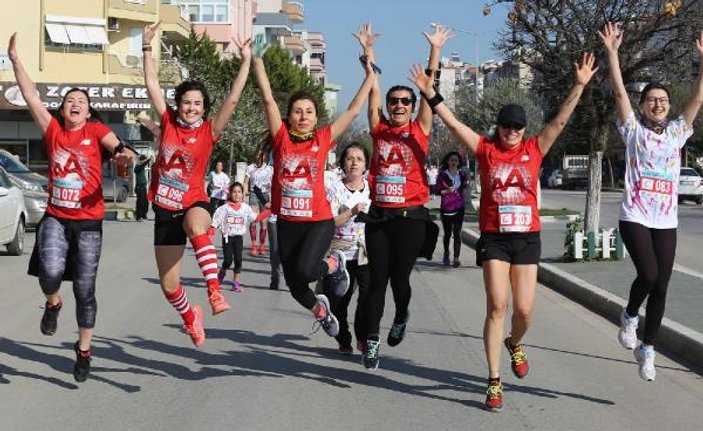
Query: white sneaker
(645,357)
(627,335)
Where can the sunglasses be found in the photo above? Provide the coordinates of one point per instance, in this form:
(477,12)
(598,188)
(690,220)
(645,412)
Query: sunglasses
(406,101)
(512,126)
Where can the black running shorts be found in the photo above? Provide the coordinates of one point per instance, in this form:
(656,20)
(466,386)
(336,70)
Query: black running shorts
(516,248)
(168,225)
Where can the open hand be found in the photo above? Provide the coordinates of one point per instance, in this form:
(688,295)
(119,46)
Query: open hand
(150,32)
(365,37)
(417,76)
(586,69)
(440,36)
(611,37)
(244,47)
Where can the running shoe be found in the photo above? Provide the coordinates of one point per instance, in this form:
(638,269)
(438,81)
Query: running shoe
(262,250)
(221,275)
(195,329)
(339,278)
(494,397)
(254,251)
(645,358)
(518,360)
(456,263)
(237,286)
(326,319)
(397,332)
(445,260)
(370,357)
(217,301)
(361,346)
(49,321)
(346,349)
(81,368)
(627,335)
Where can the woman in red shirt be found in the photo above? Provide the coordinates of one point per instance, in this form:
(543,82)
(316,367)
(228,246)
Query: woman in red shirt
(397,227)
(177,190)
(305,225)
(69,236)
(509,247)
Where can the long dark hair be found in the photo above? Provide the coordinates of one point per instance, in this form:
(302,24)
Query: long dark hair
(194,85)
(445,160)
(94,115)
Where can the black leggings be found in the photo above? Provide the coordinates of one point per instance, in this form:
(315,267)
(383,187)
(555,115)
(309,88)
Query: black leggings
(360,276)
(653,252)
(393,246)
(232,250)
(61,242)
(302,247)
(452,225)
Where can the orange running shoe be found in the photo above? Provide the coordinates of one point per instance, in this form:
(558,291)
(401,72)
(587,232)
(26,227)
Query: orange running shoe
(262,249)
(196,330)
(217,301)
(254,250)
(518,360)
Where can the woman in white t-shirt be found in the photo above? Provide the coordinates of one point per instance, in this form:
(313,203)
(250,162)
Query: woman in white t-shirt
(219,187)
(649,209)
(348,197)
(257,182)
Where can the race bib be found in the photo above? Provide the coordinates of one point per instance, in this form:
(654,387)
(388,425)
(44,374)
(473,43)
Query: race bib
(390,189)
(66,193)
(234,220)
(515,218)
(657,185)
(170,193)
(296,203)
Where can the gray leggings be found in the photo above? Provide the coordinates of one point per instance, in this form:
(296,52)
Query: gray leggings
(65,241)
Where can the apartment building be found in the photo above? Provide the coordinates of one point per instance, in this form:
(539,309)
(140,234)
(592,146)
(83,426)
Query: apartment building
(92,44)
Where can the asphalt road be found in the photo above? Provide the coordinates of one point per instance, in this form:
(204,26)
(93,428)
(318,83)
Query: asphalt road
(690,232)
(261,369)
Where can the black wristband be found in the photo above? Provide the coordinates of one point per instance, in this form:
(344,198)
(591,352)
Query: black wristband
(434,101)
(119,148)
(146,48)
(437,73)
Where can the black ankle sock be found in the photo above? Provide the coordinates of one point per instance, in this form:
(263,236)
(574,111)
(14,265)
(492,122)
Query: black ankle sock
(373,337)
(493,380)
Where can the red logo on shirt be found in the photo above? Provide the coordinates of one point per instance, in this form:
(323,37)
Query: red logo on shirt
(177,161)
(71,166)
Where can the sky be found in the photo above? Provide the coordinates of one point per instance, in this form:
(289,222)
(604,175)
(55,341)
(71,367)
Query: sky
(401,44)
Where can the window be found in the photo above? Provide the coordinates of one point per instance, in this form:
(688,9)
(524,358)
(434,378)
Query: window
(206,11)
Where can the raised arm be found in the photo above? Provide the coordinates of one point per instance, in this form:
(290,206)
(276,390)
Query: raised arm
(366,39)
(460,131)
(584,72)
(151,77)
(226,110)
(40,114)
(273,115)
(612,38)
(437,40)
(694,105)
(343,121)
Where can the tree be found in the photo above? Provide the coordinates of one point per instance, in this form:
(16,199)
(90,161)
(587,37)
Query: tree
(549,35)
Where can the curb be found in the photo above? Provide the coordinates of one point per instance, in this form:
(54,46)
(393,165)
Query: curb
(673,337)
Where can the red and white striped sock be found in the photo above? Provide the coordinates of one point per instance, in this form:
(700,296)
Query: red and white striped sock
(206,256)
(179,301)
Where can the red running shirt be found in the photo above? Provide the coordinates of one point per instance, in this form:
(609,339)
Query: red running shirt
(509,179)
(397,175)
(178,179)
(298,188)
(75,171)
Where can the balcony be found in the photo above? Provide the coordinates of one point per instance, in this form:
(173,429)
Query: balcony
(175,22)
(316,41)
(295,12)
(316,65)
(294,44)
(134,10)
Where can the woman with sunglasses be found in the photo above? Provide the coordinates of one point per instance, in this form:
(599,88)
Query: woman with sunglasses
(649,208)
(396,230)
(305,224)
(509,246)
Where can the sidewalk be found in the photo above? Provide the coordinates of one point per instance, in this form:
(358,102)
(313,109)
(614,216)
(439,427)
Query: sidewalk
(604,287)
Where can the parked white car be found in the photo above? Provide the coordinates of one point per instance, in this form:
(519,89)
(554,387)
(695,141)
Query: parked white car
(690,186)
(13,216)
